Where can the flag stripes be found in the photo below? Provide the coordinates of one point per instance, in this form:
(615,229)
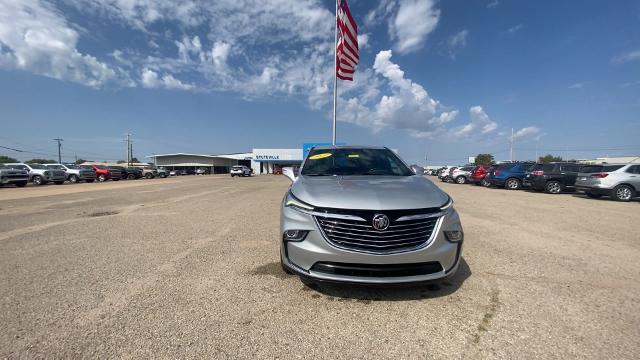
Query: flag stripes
(347,51)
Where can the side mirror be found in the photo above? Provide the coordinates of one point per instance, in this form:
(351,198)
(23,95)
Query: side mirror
(418,170)
(289,173)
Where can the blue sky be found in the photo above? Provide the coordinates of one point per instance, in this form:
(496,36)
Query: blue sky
(449,79)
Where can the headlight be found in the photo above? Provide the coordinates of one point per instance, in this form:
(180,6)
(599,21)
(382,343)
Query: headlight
(447,205)
(454,236)
(293,202)
(295,235)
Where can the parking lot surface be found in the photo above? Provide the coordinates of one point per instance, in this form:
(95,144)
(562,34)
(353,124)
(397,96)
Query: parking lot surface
(188,268)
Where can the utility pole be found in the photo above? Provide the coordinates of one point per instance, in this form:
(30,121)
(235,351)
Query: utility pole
(131,154)
(511,146)
(59,140)
(536,158)
(128,140)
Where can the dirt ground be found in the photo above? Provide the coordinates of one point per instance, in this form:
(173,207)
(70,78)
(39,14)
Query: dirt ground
(188,268)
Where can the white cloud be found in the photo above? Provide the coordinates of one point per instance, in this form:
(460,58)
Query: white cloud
(515,29)
(408,107)
(35,37)
(220,54)
(480,123)
(526,132)
(627,57)
(456,42)
(413,22)
(363,41)
(150,79)
(492,4)
(579,85)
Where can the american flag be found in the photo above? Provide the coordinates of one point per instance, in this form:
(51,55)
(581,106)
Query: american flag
(347,52)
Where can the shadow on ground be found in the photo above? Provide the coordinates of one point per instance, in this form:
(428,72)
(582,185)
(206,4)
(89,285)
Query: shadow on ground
(435,290)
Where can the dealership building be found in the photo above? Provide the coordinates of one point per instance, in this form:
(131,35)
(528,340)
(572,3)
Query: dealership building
(262,161)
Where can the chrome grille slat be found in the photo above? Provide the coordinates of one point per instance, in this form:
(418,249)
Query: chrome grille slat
(401,235)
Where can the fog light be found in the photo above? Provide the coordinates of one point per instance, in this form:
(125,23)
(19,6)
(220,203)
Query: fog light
(453,235)
(294,235)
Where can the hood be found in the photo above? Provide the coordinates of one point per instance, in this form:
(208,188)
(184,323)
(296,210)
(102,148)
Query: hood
(369,192)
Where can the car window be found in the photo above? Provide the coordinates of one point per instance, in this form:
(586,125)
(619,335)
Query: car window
(467,168)
(635,169)
(570,167)
(38,166)
(57,167)
(610,168)
(505,167)
(592,169)
(328,162)
(544,167)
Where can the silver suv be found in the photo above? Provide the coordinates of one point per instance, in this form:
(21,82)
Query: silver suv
(361,215)
(240,170)
(620,182)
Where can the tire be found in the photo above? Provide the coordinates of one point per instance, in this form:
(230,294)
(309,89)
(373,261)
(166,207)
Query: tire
(21,183)
(90,181)
(512,184)
(593,195)
(149,176)
(59,182)
(73,179)
(102,178)
(553,187)
(115,179)
(484,182)
(131,177)
(37,180)
(232,175)
(623,193)
(163,175)
(461,180)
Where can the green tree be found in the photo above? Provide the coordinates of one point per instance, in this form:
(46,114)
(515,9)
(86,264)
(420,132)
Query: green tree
(40,161)
(120,162)
(6,159)
(549,158)
(135,160)
(80,161)
(484,159)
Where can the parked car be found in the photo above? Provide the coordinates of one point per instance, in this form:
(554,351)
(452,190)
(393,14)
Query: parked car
(174,173)
(162,172)
(553,178)
(149,172)
(485,180)
(104,173)
(509,175)
(333,230)
(240,170)
(40,174)
(202,171)
(478,174)
(444,173)
(462,175)
(130,173)
(74,173)
(17,177)
(620,182)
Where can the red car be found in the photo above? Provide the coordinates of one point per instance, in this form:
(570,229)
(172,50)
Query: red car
(104,173)
(478,174)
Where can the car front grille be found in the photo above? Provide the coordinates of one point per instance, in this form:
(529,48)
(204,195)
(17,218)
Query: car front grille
(407,230)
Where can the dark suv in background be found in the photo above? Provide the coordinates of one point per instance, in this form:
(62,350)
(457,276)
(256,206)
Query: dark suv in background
(553,178)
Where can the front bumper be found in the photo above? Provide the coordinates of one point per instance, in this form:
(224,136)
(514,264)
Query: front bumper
(593,189)
(317,259)
(13,180)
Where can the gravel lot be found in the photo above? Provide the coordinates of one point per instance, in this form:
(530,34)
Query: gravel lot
(188,268)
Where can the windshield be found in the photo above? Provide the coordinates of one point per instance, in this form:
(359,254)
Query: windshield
(57,167)
(71,166)
(328,162)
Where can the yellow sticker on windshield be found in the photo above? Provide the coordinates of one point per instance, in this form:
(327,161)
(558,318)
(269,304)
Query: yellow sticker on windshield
(319,156)
(354,155)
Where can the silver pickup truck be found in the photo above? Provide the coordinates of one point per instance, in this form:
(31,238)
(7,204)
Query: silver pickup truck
(74,173)
(40,174)
(9,175)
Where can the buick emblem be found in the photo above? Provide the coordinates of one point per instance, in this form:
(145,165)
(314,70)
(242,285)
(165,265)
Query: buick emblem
(380,222)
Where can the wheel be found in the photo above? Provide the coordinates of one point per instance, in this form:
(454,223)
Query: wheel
(512,184)
(461,180)
(232,175)
(149,176)
(102,178)
(485,182)
(89,181)
(21,184)
(114,179)
(594,195)
(73,178)
(163,175)
(623,193)
(59,182)
(131,177)
(37,180)
(553,187)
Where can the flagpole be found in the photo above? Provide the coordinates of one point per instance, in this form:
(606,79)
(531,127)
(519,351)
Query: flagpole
(335,76)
